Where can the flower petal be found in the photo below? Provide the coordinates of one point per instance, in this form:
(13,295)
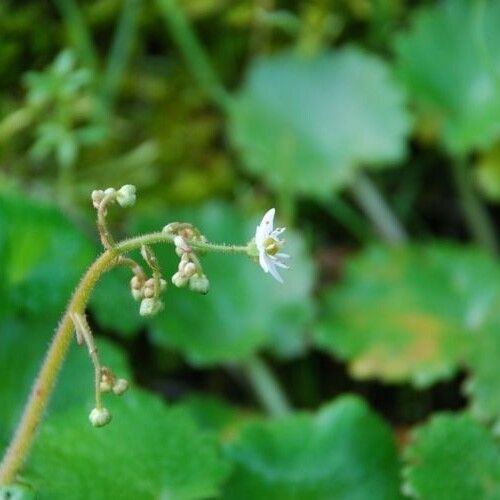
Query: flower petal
(274,272)
(263,261)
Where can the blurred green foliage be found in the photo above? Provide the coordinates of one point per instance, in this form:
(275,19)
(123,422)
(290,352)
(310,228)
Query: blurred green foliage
(374,128)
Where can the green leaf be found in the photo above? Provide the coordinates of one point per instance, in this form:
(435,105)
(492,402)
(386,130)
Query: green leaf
(147,451)
(455,458)
(305,124)
(410,313)
(344,451)
(23,345)
(215,415)
(245,309)
(450,62)
(483,383)
(42,255)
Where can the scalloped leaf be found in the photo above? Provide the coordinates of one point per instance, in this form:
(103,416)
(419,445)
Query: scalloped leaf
(452,457)
(245,309)
(410,313)
(449,59)
(337,111)
(343,451)
(148,451)
(483,383)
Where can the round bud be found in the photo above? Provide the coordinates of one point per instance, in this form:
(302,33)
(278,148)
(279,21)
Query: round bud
(199,283)
(105,385)
(99,417)
(171,228)
(179,280)
(126,196)
(136,283)
(97,196)
(189,269)
(163,285)
(150,307)
(149,291)
(120,386)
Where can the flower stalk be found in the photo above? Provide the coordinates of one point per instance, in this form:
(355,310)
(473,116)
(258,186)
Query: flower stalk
(74,320)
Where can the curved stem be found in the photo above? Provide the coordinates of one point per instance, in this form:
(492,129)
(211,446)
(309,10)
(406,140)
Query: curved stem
(266,387)
(478,220)
(45,381)
(378,211)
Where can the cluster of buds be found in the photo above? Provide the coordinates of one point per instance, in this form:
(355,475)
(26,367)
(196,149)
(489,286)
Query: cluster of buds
(189,272)
(148,290)
(110,383)
(125,196)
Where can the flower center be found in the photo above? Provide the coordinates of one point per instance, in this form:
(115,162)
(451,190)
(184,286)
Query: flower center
(272,246)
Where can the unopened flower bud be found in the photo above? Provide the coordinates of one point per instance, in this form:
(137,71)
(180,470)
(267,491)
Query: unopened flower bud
(149,291)
(136,283)
(110,192)
(120,386)
(171,228)
(97,196)
(125,196)
(189,269)
(199,283)
(150,307)
(163,285)
(105,385)
(179,280)
(181,244)
(99,417)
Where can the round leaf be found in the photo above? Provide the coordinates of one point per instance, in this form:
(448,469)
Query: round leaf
(147,451)
(455,458)
(306,123)
(409,313)
(344,451)
(245,309)
(450,61)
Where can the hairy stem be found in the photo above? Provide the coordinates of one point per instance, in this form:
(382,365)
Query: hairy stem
(45,381)
(266,387)
(378,211)
(44,384)
(478,219)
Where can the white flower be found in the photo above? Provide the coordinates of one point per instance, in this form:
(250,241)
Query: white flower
(268,245)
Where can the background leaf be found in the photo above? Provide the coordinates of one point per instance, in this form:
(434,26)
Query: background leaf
(336,112)
(409,313)
(245,309)
(148,451)
(450,61)
(455,458)
(344,451)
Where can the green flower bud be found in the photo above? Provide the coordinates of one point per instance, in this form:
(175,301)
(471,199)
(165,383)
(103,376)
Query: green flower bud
(199,283)
(179,280)
(126,195)
(150,307)
(99,417)
(120,386)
